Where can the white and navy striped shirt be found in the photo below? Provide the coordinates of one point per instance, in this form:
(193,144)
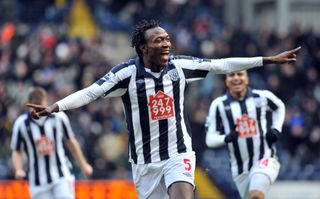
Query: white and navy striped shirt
(154,106)
(42,141)
(252,117)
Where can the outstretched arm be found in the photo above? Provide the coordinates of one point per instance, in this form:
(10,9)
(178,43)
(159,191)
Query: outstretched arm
(196,68)
(75,100)
(237,64)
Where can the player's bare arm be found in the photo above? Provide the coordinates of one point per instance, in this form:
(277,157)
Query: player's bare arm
(17,158)
(78,155)
(282,58)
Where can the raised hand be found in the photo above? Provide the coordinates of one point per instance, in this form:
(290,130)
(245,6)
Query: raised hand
(282,58)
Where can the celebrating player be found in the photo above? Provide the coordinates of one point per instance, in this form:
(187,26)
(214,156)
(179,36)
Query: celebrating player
(152,87)
(249,122)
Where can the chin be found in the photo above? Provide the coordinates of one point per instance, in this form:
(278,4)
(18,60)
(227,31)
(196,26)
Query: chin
(164,61)
(236,92)
(164,64)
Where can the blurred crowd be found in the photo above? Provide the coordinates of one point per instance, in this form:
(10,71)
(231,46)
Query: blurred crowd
(37,49)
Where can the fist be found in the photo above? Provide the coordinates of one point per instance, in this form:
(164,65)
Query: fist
(231,137)
(20,174)
(87,170)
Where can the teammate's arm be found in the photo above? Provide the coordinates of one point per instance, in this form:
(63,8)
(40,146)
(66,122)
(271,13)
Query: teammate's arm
(76,152)
(277,108)
(214,127)
(17,159)
(278,115)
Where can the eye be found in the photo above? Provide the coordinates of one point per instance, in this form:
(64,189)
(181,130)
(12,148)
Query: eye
(158,40)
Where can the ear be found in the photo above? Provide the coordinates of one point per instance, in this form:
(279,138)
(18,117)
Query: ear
(143,48)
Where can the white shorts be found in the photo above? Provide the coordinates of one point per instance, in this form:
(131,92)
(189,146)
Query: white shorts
(61,188)
(153,180)
(268,167)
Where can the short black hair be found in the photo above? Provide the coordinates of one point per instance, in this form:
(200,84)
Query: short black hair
(138,38)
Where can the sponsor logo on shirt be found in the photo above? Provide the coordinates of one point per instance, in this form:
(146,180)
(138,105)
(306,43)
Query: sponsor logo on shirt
(161,106)
(246,126)
(44,146)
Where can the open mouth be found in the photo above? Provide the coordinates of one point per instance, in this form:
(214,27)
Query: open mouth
(237,85)
(165,53)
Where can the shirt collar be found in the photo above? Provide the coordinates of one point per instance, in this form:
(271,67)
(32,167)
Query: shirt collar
(141,72)
(248,94)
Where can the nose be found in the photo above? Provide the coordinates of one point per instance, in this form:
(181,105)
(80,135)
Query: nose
(236,78)
(166,43)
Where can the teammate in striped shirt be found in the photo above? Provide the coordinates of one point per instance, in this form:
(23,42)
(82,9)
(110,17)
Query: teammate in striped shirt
(249,122)
(41,140)
(152,87)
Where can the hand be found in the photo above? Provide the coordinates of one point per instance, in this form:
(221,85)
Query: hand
(231,137)
(87,169)
(41,110)
(282,58)
(272,136)
(20,174)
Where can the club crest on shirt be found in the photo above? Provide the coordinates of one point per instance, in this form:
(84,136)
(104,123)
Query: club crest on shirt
(173,74)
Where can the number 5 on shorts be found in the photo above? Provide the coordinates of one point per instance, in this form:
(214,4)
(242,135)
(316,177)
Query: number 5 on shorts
(187,164)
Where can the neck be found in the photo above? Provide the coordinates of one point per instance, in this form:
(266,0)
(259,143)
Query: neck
(239,95)
(152,66)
